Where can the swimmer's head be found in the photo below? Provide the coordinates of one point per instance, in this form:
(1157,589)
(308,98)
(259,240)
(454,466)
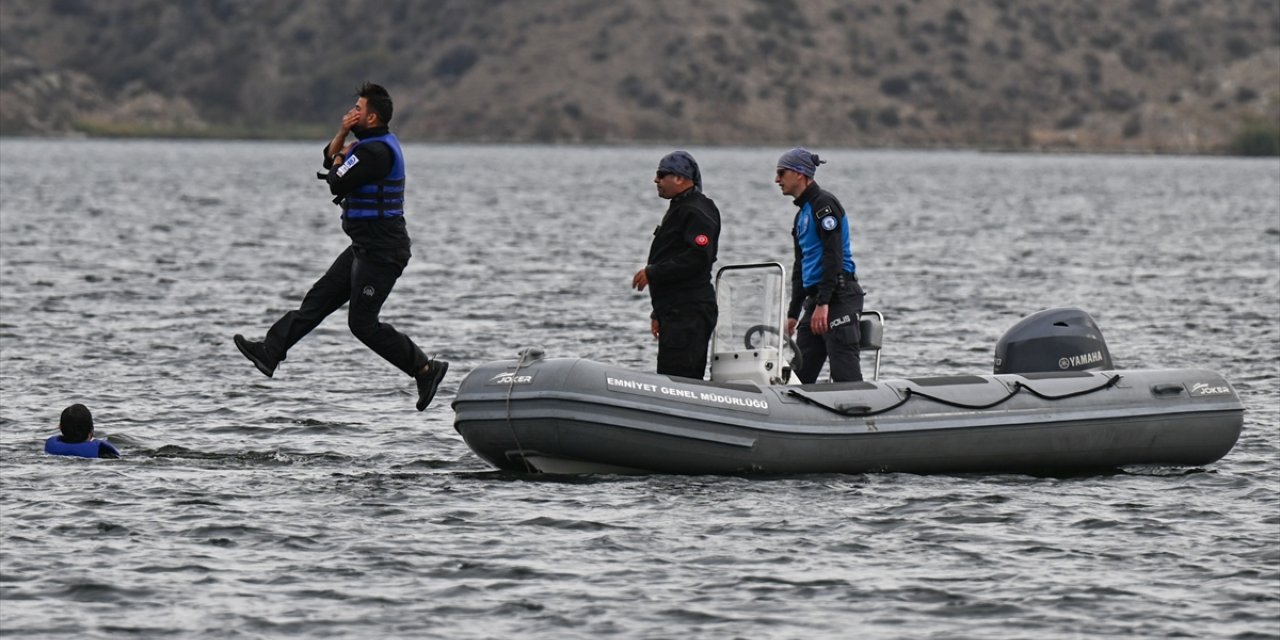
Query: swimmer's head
(76,424)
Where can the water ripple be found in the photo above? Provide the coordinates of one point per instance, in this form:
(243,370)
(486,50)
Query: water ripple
(318,503)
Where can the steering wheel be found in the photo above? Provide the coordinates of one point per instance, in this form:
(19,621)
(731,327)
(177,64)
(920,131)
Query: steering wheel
(757,332)
(754,337)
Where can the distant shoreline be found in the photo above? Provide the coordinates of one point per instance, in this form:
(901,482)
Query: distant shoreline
(306,134)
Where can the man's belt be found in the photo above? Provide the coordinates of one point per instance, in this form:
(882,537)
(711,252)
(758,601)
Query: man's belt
(849,276)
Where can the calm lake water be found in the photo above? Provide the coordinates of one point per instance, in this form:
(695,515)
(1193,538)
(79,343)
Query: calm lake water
(318,503)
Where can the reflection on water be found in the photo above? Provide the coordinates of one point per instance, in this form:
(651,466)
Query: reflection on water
(318,502)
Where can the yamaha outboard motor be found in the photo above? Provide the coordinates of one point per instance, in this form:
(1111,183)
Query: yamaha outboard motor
(1053,340)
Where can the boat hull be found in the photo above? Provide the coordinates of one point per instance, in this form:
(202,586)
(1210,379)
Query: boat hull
(579,416)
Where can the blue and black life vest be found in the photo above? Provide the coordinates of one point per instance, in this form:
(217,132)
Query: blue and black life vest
(87,449)
(384,198)
(809,227)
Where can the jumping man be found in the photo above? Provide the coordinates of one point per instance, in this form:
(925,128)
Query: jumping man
(367,178)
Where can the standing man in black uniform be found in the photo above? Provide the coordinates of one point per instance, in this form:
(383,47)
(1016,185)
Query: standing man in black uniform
(679,270)
(824,280)
(367,178)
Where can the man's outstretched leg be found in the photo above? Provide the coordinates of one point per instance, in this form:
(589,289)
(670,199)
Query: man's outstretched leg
(327,295)
(371,283)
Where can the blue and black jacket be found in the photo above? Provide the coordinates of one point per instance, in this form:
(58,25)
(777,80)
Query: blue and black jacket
(823,249)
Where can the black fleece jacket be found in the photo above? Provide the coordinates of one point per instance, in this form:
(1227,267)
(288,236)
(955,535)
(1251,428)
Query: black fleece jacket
(683,250)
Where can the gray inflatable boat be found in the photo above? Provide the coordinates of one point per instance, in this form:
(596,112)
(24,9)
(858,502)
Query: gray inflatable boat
(1054,404)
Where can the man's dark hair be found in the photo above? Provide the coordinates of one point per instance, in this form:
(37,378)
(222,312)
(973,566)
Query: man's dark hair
(379,101)
(76,424)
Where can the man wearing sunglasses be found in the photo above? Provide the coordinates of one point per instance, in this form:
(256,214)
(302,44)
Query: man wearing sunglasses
(678,272)
(824,281)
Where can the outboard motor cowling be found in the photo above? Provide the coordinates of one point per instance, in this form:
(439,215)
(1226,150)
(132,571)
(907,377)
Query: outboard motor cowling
(1064,339)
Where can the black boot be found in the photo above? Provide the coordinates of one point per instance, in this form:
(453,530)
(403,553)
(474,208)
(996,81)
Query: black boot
(256,352)
(429,381)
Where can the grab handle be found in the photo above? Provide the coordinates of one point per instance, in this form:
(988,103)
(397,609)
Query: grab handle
(1165,390)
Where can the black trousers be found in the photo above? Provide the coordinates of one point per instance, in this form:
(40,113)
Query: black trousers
(684,330)
(839,344)
(365,282)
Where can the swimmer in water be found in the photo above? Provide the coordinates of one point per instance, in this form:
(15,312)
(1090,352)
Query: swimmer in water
(76,439)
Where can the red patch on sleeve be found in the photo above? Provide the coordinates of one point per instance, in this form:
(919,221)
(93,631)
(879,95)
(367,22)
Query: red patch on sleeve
(701,240)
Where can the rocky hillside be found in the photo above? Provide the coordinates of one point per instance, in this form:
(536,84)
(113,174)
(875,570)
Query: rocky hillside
(1116,75)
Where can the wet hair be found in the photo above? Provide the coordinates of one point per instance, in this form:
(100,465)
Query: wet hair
(379,101)
(76,423)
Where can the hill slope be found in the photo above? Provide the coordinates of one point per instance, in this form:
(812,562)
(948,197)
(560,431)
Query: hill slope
(1160,75)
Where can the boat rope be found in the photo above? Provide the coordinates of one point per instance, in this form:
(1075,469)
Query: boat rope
(797,358)
(511,383)
(863,411)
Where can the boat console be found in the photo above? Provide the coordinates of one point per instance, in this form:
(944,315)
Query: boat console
(748,344)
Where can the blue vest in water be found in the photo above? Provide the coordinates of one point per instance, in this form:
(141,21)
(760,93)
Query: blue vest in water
(87,449)
(384,198)
(809,229)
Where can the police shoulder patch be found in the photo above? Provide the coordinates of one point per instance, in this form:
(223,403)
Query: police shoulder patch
(346,166)
(829,223)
